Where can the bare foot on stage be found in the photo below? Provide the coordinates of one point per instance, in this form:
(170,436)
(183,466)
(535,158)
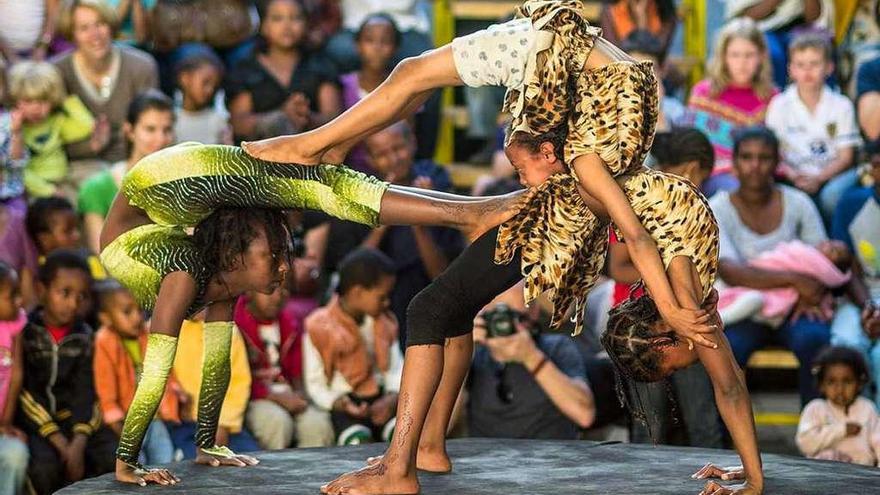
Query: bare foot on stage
(282,149)
(375,479)
(496,211)
(222,456)
(140,475)
(430,461)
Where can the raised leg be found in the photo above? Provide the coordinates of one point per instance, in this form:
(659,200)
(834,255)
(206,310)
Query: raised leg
(386,104)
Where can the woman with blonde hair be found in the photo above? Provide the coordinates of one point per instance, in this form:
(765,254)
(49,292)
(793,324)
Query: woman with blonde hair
(735,94)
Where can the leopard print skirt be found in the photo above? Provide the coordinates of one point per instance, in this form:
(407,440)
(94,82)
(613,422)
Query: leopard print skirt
(563,245)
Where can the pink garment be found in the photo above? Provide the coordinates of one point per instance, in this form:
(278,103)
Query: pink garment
(794,256)
(821,432)
(8,331)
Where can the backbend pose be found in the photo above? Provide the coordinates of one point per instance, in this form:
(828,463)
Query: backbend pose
(240,243)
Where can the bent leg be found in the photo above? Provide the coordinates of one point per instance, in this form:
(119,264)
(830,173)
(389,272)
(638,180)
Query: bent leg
(216,371)
(386,104)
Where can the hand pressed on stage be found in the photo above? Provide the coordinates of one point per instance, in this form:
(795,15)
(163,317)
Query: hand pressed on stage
(725,473)
(715,488)
(141,476)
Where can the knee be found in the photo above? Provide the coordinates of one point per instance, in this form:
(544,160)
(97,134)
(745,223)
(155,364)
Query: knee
(407,69)
(426,323)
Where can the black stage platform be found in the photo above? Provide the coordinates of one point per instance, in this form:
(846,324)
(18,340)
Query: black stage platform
(512,467)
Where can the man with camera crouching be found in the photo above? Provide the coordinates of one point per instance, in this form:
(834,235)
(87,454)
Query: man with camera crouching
(524,383)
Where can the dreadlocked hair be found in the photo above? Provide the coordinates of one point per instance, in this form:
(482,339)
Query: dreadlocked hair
(225,235)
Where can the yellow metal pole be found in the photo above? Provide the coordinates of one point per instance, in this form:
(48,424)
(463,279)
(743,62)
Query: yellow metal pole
(695,44)
(444,31)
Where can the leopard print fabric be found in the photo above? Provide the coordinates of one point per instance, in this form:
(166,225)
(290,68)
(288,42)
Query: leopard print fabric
(563,244)
(543,102)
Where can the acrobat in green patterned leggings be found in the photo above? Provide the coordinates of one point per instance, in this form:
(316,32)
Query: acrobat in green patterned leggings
(239,243)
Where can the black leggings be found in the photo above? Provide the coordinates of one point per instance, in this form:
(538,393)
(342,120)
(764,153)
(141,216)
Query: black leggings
(446,308)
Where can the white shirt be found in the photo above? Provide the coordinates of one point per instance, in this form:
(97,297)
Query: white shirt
(21,23)
(324,393)
(800,220)
(823,427)
(812,140)
(208,126)
(404,12)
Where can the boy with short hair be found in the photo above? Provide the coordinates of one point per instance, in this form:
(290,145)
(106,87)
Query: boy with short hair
(52,224)
(351,355)
(816,125)
(57,407)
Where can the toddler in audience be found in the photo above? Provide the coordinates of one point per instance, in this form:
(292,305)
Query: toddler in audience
(198,118)
(52,224)
(829,263)
(50,120)
(351,355)
(13,441)
(841,426)
(120,345)
(58,405)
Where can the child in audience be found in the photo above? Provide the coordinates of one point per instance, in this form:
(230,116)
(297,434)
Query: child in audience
(13,441)
(58,404)
(816,125)
(377,40)
(198,119)
(230,430)
(842,425)
(279,410)
(52,224)
(50,120)
(120,345)
(352,359)
(829,263)
(148,127)
(15,248)
(735,94)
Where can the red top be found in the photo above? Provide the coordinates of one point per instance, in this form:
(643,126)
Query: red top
(58,333)
(621,290)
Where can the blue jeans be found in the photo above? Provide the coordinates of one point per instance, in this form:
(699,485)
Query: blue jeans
(833,190)
(13,464)
(695,398)
(183,436)
(158,448)
(725,181)
(846,330)
(804,337)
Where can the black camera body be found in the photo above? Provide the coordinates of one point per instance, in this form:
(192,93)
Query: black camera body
(501,320)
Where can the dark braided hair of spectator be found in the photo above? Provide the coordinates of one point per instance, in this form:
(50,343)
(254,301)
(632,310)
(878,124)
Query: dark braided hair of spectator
(683,144)
(224,236)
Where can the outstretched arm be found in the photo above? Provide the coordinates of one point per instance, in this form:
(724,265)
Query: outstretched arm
(731,394)
(598,183)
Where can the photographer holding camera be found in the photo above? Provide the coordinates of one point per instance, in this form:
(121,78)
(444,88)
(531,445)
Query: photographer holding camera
(524,383)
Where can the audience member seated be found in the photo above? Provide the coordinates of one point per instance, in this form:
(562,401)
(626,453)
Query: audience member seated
(816,126)
(16,250)
(351,355)
(685,152)
(868,99)
(27,29)
(279,414)
(52,224)
(13,441)
(756,218)
(230,429)
(857,223)
(419,253)
(149,127)
(622,18)
(376,41)
(50,120)
(199,75)
(120,345)
(780,20)
(106,77)
(133,17)
(525,383)
(840,426)
(643,47)
(283,88)
(860,43)
(58,408)
(734,95)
